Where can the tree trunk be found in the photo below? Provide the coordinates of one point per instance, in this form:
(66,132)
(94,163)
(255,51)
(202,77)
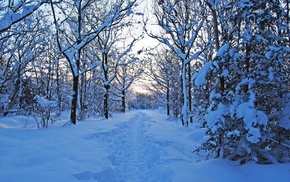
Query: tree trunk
(83,97)
(49,79)
(106,84)
(216,31)
(123,101)
(189,90)
(184,112)
(73,114)
(106,100)
(168,100)
(58,90)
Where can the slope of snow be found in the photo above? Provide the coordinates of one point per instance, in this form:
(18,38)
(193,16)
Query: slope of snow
(137,146)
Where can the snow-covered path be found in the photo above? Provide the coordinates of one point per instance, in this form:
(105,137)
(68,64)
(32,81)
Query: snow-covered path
(137,146)
(133,155)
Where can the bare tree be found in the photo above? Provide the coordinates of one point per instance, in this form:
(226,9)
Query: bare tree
(128,71)
(76,28)
(165,73)
(18,51)
(181,22)
(111,57)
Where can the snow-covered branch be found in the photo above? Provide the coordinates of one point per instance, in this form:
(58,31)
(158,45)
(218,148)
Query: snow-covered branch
(19,12)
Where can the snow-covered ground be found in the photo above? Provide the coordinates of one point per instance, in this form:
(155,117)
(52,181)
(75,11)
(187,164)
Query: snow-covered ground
(137,146)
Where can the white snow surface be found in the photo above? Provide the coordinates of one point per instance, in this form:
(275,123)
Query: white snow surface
(200,77)
(44,102)
(137,146)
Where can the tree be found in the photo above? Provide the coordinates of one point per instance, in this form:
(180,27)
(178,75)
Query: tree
(165,72)
(19,50)
(77,27)
(50,75)
(116,55)
(248,90)
(128,71)
(181,22)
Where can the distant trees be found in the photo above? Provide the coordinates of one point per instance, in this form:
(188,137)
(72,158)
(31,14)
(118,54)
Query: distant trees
(20,47)
(66,51)
(145,101)
(128,71)
(30,64)
(78,27)
(180,22)
(112,58)
(165,75)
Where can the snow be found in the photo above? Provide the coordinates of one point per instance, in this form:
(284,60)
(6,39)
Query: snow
(200,77)
(251,118)
(214,117)
(286,117)
(223,50)
(271,73)
(44,102)
(140,145)
(10,18)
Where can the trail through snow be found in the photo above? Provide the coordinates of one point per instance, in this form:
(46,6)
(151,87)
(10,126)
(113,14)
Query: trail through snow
(133,155)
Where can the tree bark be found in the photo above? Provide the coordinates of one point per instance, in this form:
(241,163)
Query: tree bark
(168,99)
(106,104)
(83,91)
(73,114)
(184,112)
(58,90)
(123,101)
(189,90)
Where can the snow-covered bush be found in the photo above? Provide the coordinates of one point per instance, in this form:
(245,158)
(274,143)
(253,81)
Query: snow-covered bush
(248,85)
(240,122)
(42,111)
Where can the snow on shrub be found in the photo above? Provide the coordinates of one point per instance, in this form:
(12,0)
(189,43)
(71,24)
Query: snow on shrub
(42,109)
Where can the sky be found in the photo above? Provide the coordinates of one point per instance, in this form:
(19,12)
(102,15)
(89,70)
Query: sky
(147,44)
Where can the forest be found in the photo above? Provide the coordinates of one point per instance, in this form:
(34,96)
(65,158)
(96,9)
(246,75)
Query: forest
(223,64)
